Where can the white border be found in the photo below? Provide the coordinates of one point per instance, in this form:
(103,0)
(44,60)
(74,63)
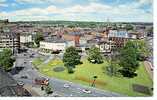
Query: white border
(108,98)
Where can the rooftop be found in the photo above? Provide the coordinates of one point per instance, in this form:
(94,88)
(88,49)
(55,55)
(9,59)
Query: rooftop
(54,40)
(8,86)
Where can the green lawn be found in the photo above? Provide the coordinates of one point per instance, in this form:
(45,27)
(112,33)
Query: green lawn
(83,74)
(37,61)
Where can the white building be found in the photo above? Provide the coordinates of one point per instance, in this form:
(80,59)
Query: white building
(118,33)
(26,38)
(70,43)
(53,45)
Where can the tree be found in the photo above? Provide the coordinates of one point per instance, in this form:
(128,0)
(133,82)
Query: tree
(38,37)
(71,58)
(113,68)
(142,49)
(128,59)
(94,55)
(6,62)
(48,89)
(129,27)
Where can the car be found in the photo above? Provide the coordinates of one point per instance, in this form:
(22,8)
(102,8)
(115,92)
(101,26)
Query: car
(41,81)
(31,56)
(56,95)
(24,54)
(24,77)
(86,91)
(20,83)
(66,85)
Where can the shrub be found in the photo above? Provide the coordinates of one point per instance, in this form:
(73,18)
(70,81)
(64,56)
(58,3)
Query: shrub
(48,89)
(70,70)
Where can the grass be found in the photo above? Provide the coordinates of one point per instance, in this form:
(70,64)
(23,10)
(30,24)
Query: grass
(84,75)
(36,62)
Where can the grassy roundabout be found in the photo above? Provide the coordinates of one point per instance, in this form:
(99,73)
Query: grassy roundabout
(84,75)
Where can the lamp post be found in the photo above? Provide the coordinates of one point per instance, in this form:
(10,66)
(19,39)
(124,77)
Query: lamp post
(94,79)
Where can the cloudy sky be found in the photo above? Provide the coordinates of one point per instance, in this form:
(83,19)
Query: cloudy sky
(79,10)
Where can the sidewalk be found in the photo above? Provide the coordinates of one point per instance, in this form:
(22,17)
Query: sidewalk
(148,68)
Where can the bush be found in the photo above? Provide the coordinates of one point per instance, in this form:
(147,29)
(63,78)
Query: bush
(48,89)
(70,70)
(112,69)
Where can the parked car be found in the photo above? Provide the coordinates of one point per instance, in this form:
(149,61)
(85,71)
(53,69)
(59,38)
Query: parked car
(66,85)
(41,81)
(20,83)
(31,56)
(56,95)
(24,77)
(86,91)
(24,54)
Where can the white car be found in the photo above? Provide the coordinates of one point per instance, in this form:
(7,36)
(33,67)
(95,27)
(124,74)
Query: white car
(66,85)
(86,91)
(20,83)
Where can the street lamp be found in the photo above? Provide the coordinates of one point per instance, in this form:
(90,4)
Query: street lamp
(94,79)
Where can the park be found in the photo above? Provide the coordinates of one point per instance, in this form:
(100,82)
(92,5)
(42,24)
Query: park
(85,72)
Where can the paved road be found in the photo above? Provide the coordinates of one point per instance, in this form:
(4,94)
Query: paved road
(74,90)
(148,67)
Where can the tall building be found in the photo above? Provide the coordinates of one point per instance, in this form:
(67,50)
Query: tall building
(10,40)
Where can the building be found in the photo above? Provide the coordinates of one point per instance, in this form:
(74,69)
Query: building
(118,38)
(26,38)
(73,36)
(104,46)
(10,40)
(54,44)
(9,87)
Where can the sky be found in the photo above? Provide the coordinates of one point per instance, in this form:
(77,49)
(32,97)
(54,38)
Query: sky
(77,10)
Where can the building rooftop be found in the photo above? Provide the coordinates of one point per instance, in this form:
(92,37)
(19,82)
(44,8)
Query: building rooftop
(11,34)
(8,86)
(75,33)
(54,40)
(118,33)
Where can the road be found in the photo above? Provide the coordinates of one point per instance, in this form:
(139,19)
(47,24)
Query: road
(75,90)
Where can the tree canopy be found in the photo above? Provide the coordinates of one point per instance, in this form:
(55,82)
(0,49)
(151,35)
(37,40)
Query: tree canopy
(6,62)
(128,59)
(71,57)
(94,55)
(142,49)
(38,37)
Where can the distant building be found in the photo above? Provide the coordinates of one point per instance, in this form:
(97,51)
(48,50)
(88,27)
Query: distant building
(104,46)
(118,38)
(73,36)
(10,40)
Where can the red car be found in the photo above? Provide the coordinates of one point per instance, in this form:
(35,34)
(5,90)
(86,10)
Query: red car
(41,81)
